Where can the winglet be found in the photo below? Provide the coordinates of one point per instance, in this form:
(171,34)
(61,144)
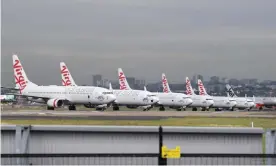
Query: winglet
(67,79)
(165,84)
(122,80)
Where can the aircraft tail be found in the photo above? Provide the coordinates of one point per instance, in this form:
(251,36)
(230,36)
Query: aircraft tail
(110,86)
(201,88)
(189,88)
(145,88)
(21,79)
(230,91)
(122,80)
(165,84)
(67,79)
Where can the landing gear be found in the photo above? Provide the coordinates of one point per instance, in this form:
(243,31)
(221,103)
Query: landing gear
(72,107)
(203,109)
(261,108)
(50,108)
(116,108)
(184,109)
(100,109)
(194,109)
(207,109)
(161,108)
(178,109)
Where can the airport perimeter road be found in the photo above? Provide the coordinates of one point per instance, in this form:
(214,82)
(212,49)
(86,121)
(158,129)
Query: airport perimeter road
(126,115)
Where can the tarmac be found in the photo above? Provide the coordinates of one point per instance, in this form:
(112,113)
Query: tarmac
(127,115)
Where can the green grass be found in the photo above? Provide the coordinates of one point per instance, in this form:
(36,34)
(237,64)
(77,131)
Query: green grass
(189,121)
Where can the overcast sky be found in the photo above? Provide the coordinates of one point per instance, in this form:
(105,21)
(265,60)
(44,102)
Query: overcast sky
(229,38)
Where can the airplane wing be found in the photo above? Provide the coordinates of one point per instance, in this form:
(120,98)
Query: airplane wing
(46,98)
(16,89)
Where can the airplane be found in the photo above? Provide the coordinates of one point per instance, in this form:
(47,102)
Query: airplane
(220,102)
(205,102)
(170,99)
(242,102)
(129,95)
(267,102)
(58,96)
(129,98)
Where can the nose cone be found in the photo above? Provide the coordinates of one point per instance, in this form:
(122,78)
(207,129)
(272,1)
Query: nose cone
(189,101)
(154,100)
(111,98)
(210,102)
(233,103)
(252,104)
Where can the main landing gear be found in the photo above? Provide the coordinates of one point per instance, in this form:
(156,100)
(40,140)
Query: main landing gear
(116,108)
(72,107)
(161,108)
(50,108)
(194,109)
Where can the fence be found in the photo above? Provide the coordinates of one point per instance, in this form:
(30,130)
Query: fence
(129,158)
(136,159)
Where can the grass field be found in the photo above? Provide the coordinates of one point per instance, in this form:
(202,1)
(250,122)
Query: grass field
(189,121)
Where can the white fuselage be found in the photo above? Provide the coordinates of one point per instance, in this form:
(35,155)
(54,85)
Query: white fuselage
(174,99)
(244,102)
(266,101)
(134,97)
(223,102)
(73,94)
(201,101)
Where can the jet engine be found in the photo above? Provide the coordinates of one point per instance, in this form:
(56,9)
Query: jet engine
(55,103)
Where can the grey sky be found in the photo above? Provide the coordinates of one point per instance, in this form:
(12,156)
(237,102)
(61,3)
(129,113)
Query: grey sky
(231,38)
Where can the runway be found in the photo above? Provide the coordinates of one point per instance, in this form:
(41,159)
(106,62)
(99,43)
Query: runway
(126,115)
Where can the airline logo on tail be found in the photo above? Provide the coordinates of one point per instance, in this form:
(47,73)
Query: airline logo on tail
(122,81)
(230,91)
(19,76)
(65,76)
(188,87)
(201,88)
(165,84)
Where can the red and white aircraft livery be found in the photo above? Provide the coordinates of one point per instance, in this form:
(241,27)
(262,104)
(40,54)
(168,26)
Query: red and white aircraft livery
(57,96)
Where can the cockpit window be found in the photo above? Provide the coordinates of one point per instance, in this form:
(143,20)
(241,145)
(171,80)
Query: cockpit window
(186,97)
(106,93)
(209,99)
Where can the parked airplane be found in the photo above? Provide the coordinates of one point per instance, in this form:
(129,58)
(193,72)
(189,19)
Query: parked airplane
(67,80)
(57,96)
(130,95)
(170,99)
(220,102)
(267,102)
(205,102)
(129,98)
(242,102)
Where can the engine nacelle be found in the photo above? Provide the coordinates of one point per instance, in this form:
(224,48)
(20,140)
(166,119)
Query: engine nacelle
(55,103)
(102,106)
